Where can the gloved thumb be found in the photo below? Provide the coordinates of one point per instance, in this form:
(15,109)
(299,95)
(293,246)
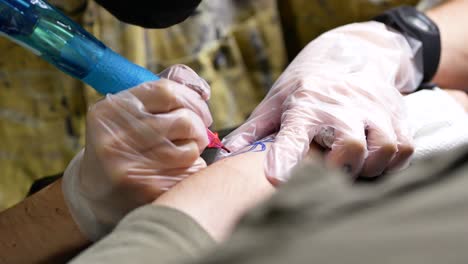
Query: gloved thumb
(291,145)
(263,122)
(184,75)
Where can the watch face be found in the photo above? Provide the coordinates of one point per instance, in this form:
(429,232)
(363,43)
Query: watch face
(415,21)
(419,21)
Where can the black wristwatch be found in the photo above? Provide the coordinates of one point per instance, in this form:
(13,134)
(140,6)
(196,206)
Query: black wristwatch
(412,23)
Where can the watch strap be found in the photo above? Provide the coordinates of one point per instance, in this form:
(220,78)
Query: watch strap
(424,30)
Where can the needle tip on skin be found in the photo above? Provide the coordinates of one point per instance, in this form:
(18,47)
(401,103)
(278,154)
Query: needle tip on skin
(226,149)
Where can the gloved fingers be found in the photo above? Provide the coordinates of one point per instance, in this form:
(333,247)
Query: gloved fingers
(116,108)
(158,131)
(184,124)
(349,149)
(167,177)
(165,95)
(291,145)
(382,147)
(122,110)
(258,126)
(183,171)
(158,162)
(186,76)
(177,154)
(152,135)
(405,146)
(264,120)
(151,182)
(108,119)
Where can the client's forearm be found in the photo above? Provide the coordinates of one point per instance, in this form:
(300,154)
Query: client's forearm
(39,229)
(453,69)
(219,195)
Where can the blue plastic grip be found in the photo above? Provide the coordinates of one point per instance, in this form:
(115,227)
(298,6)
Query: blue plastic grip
(114,73)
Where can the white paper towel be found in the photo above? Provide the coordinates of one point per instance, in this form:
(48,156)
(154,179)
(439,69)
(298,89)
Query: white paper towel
(438,122)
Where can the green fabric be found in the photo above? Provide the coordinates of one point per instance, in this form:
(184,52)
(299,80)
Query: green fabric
(150,234)
(417,216)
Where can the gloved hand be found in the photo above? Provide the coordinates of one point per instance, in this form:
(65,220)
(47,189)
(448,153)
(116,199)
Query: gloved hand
(343,92)
(139,143)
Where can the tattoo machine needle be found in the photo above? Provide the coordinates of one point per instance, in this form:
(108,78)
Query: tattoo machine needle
(215,142)
(48,33)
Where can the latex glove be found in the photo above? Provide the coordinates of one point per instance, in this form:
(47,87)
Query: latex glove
(342,91)
(139,143)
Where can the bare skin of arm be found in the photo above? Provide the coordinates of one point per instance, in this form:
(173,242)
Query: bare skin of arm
(39,230)
(219,195)
(453,69)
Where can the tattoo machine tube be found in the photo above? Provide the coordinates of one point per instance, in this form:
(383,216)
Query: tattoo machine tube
(48,33)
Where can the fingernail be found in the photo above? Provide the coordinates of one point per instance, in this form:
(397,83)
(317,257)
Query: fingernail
(275,181)
(326,137)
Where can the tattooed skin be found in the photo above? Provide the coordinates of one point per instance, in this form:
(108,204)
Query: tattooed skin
(257,146)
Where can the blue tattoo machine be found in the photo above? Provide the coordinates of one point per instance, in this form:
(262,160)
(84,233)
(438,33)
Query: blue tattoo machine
(41,28)
(47,32)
